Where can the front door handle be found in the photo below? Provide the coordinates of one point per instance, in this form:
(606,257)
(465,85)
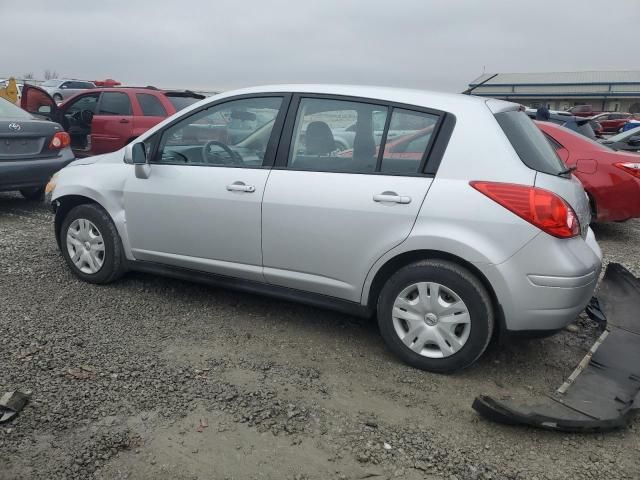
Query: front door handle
(391,197)
(241,187)
(124,120)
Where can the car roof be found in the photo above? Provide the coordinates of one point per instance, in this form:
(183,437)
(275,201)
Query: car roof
(424,98)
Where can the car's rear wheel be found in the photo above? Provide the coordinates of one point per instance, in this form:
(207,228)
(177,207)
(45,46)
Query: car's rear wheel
(91,245)
(35,193)
(436,316)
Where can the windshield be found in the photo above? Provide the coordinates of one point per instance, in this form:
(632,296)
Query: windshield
(182,102)
(624,136)
(9,110)
(51,83)
(529,143)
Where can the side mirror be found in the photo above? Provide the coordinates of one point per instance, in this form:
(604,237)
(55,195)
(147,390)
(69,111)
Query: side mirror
(138,154)
(635,140)
(45,109)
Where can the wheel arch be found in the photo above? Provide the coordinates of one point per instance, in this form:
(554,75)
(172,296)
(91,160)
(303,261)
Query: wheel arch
(406,258)
(63,205)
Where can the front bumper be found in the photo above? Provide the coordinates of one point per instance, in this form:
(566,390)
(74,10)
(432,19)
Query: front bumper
(34,172)
(544,286)
(604,390)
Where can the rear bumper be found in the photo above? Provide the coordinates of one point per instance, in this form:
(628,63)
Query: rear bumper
(547,283)
(17,174)
(604,389)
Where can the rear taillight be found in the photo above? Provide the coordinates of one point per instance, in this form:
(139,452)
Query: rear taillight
(630,167)
(542,208)
(60,140)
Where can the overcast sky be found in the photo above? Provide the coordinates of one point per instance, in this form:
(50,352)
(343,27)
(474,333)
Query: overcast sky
(222,44)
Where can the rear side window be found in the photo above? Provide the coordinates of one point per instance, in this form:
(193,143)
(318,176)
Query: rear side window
(529,143)
(150,105)
(407,140)
(115,103)
(182,102)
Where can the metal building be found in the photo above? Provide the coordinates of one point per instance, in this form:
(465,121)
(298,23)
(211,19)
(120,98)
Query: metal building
(615,91)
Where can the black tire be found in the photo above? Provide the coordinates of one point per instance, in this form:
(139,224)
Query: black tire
(57,98)
(471,292)
(113,266)
(35,193)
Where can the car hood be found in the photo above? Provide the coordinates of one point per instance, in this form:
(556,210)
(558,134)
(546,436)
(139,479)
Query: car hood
(113,157)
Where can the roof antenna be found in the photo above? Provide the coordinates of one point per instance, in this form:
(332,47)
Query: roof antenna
(471,89)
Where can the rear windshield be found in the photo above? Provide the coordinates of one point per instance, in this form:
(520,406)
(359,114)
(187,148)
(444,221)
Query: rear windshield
(182,102)
(9,110)
(529,143)
(583,128)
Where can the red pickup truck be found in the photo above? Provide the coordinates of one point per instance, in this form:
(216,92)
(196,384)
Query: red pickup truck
(103,120)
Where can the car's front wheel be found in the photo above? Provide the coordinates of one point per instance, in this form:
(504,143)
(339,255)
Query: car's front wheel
(57,98)
(91,245)
(436,316)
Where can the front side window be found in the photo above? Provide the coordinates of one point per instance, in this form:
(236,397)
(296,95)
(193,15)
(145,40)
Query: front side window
(115,103)
(323,126)
(86,102)
(150,105)
(234,134)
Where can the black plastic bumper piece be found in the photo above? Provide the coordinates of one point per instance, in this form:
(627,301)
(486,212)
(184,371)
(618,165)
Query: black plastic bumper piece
(603,391)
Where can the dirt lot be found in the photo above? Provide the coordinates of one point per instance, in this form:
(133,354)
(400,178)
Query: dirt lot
(124,376)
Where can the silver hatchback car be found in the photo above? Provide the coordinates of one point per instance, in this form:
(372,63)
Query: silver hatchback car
(457,223)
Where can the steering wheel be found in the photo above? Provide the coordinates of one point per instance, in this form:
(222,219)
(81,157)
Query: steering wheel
(207,156)
(82,117)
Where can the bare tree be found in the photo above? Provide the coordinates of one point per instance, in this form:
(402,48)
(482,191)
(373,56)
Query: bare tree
(28,76)
(49,74)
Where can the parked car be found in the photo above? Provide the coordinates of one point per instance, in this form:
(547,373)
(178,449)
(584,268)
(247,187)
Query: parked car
(610,178)
(628,141)
(583,111)
(103,120)
(613,122)
(446,251)
(583,126)
(63,89)
(31,151)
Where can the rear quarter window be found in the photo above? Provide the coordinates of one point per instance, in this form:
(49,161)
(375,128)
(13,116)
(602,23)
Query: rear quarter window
(529,142)
(180,102)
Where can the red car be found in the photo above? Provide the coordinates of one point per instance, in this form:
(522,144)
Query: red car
(583,111)
(613,122)
(103,120)
(610,178)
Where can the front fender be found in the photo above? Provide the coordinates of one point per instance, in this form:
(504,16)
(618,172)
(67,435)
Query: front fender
(101,183)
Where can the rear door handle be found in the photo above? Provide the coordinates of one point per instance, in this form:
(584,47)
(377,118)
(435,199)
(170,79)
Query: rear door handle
(391,197)
(241,187)
(124,120)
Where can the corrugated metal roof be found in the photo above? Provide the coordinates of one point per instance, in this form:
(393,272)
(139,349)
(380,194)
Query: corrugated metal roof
(572,78)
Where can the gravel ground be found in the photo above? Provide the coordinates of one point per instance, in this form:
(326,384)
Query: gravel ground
(155,378)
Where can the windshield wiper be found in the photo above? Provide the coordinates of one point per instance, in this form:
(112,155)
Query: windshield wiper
(568,170)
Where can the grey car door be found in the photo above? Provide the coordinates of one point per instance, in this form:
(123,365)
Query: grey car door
(200,207)
(328,215)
